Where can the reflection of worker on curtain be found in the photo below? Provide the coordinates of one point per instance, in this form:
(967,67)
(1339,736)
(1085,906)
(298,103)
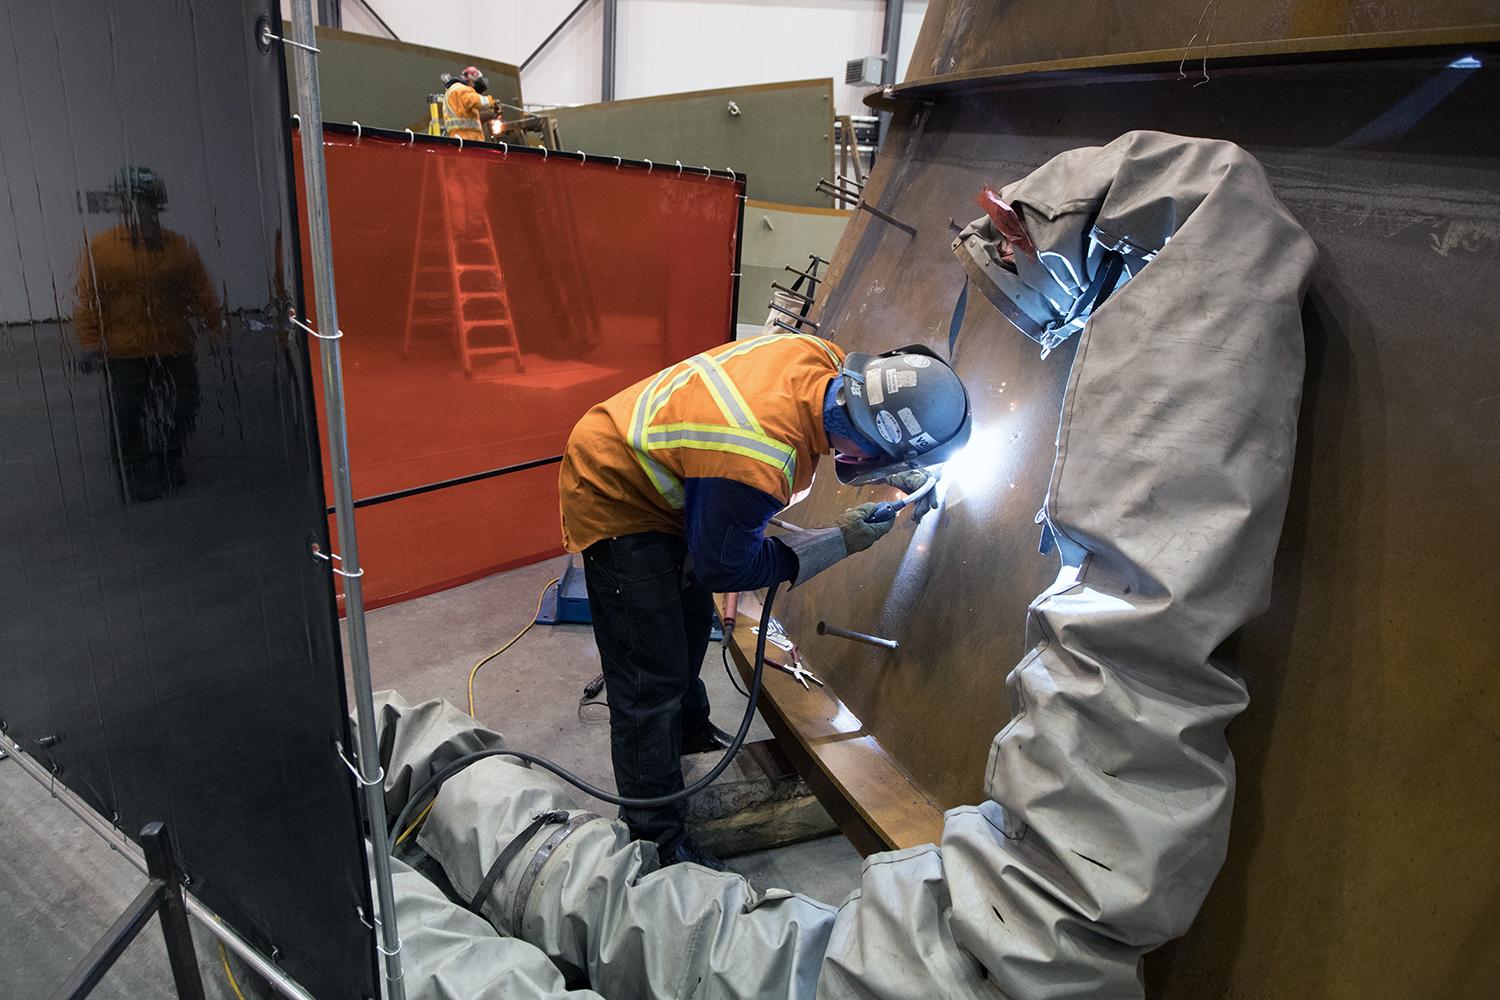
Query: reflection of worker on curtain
(143,294)
(466,186)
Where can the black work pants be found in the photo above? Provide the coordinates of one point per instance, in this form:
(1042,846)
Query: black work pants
(651,623)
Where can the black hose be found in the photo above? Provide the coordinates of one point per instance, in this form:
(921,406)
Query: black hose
(431,786)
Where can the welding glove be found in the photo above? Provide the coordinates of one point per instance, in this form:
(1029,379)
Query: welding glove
(817,549)
(909,482)
(859,534)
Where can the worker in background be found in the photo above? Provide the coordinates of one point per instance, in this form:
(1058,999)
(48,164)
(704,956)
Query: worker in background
(667,489)
(466,105)
(143,299)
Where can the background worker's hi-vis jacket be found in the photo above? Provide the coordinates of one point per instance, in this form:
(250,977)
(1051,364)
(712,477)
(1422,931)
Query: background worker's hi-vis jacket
(750,411)
(461,107)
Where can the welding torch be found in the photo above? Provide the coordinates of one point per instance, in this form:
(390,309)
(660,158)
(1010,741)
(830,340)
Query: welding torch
(884,511)
(888,509)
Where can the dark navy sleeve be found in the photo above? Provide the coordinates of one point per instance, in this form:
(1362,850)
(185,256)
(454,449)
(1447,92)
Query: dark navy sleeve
(726,523)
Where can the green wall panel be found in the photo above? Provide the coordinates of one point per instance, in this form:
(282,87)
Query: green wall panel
(385,83)
(782,137)
(778,235)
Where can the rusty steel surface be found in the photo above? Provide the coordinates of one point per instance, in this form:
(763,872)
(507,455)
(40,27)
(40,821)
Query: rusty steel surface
(1365,815)
(970,36)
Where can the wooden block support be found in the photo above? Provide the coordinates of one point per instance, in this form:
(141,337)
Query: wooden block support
(873,799)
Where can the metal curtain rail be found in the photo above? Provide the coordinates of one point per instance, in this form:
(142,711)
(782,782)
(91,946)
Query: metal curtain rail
(366,768)
(472,477)
(246,951)
(408,137)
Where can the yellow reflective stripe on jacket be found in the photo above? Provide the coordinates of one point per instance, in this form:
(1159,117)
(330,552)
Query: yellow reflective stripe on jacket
(738,350)
(742,433)
(767,338)
(666,393)
(452,124)
(746,346)
(821,343)
(709,437)
(722,388)
(666,484)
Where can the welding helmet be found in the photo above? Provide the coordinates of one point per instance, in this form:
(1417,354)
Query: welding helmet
(1047,294)
(474,77)
(910,404)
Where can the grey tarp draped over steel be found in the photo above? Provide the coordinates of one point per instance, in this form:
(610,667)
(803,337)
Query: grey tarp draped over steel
(1110,789)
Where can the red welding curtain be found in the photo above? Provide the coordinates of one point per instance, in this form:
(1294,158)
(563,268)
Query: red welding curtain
(595,275)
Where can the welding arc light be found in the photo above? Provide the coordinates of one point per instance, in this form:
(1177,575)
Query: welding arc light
(978,464)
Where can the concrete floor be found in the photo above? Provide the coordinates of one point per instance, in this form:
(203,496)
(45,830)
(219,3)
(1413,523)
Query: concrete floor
(62,886)
(426,647)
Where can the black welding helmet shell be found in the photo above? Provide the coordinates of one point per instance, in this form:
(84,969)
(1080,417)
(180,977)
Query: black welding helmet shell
(910,404)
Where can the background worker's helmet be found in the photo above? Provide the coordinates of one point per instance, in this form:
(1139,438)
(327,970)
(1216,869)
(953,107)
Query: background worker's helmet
(475,78)
(142,184)
(910,404)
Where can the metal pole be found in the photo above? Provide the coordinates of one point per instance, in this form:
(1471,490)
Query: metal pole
(607,71)
(279,980)
(873,640)
(315,182)
(893,10)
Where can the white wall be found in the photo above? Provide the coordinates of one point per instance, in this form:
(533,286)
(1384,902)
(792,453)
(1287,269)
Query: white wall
(506,30)
(668,46)
(663,46)
(569,71)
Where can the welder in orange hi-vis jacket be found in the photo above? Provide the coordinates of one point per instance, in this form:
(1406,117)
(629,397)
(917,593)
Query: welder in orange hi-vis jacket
(667,489)
(466,105)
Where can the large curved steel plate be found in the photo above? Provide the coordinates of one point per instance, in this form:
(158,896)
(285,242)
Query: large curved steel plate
(1367,753)
(966,38)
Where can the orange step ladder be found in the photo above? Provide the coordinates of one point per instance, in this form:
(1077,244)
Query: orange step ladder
(456,280)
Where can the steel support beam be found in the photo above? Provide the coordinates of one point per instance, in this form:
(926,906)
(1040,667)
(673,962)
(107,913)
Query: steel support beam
(607,70)
(893,12)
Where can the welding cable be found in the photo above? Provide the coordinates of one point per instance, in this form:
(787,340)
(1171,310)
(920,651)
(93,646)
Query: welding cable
(591,697)
(229,973)
(724,654)
(416,822)
(513,640)
(434,784)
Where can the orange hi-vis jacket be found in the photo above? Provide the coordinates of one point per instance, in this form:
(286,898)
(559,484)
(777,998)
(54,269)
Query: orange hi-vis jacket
(461,106)
(751,411)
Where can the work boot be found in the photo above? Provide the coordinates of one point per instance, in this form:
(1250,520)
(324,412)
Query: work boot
(709,739)
(688,851)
